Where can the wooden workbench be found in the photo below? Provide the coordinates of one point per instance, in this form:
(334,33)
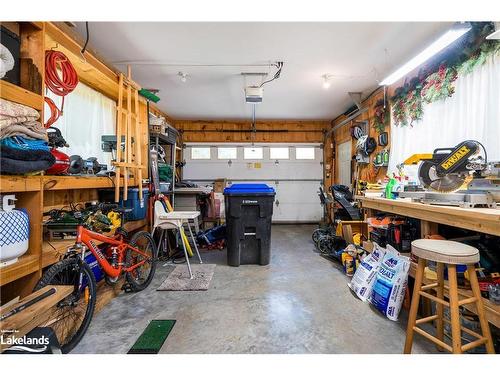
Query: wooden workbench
(483,220)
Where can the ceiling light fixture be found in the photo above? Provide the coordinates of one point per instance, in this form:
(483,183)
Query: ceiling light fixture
(442,42)
(326,81)
(183,76)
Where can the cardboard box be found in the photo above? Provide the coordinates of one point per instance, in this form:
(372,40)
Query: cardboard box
(219,185)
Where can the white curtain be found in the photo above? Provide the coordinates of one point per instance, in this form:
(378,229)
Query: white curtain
(87,116)
(473,112)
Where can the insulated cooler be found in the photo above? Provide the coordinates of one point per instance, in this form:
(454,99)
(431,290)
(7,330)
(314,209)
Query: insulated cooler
(249,209)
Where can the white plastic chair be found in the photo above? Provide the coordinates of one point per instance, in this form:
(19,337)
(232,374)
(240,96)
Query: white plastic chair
(175,220)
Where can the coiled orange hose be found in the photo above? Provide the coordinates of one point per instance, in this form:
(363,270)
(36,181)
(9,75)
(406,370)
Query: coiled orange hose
(59,83)
(54,112)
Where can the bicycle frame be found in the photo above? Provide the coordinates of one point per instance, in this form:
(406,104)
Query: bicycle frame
(86,237)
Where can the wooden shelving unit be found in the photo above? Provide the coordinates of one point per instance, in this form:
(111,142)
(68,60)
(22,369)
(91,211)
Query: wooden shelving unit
(20,95)
(24,266)
(40,193)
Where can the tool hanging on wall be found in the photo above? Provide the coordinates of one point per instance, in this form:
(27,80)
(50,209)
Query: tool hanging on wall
(128,127)
(60,78)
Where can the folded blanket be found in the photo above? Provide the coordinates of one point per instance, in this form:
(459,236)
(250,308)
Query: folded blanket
(15,161)
(30,130)
(14,113)
(21,143)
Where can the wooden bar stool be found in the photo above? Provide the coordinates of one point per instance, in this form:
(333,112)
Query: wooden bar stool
(449,253)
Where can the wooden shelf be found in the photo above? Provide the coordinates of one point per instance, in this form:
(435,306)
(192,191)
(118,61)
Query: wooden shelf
(492,311)
(19,95)
(76,182)
(51,251)
(15,184)
(24,266)
(134,225)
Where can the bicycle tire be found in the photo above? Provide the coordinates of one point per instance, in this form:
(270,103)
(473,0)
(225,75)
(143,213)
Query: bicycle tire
(317,234)
(324,245)
(133,281)
(56,275)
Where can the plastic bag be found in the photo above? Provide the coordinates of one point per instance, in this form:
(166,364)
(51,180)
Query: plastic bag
(389,289)
(365,275)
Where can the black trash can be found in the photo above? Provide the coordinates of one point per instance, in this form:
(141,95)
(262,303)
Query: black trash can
(249,209)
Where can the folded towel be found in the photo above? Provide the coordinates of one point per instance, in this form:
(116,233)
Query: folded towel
(30,130)
(15,161)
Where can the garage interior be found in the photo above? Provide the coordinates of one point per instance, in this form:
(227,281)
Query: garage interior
(250,187)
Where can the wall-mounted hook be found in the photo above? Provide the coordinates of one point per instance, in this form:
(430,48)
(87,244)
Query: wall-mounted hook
(55,47)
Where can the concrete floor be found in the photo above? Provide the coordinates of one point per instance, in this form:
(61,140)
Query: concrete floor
(300,303)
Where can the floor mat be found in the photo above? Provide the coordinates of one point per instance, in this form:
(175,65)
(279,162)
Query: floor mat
(153,337)
(179,278)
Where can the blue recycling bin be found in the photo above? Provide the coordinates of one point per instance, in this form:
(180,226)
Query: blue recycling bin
(249,211)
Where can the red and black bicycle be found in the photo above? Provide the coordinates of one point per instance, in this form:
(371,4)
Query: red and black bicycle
(116,255)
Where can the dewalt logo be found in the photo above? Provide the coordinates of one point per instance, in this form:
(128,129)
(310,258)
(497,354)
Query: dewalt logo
(453,159)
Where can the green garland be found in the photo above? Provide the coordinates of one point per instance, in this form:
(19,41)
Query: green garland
(382,116)
(439,83)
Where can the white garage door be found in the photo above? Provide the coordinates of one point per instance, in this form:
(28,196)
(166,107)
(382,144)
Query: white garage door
(294,170)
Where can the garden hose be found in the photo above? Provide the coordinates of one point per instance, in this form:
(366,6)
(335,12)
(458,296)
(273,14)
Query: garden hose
(55,113)
(60,75)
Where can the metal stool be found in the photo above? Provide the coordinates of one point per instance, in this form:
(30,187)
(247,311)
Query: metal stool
(449,253)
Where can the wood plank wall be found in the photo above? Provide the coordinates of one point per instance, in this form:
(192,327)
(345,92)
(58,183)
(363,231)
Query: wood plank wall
(341,135)
(267,131)
(239,131)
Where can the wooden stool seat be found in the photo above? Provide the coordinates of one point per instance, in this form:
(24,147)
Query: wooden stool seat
(449,252)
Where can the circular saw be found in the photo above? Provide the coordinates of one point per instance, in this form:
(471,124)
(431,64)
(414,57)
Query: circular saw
(447,169)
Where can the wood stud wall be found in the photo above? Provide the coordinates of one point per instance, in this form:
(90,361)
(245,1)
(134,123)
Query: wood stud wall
(341,135)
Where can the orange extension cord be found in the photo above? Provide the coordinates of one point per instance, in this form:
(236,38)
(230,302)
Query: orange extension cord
(55,113)
(61,83)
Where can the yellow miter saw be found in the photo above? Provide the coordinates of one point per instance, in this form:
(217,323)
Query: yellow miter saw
(447,170)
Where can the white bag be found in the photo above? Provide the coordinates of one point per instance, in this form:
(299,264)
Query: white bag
(366,273)
(388,291)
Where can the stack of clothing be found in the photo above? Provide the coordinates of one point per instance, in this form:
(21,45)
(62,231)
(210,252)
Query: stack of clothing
(23,140)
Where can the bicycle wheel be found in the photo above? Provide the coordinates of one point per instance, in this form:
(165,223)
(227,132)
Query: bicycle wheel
(317,233)
(324,245)
(140,277)
(73,314)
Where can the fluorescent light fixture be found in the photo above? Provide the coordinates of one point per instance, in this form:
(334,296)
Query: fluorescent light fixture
(442,42)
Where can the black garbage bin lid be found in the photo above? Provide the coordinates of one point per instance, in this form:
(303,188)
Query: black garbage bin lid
(249,189)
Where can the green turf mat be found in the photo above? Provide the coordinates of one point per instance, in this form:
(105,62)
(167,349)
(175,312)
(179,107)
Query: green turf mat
(153,337)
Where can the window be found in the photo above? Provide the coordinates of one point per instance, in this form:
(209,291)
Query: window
(253,153)
(304,153)
(200,153)
(227,153)
(88,115)
(278,153)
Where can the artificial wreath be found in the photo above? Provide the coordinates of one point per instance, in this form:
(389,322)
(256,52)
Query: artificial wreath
(439,82)
(440,85)
(382,116)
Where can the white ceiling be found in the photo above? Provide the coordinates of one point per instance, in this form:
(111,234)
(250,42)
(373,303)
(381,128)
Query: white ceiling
(358,53)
